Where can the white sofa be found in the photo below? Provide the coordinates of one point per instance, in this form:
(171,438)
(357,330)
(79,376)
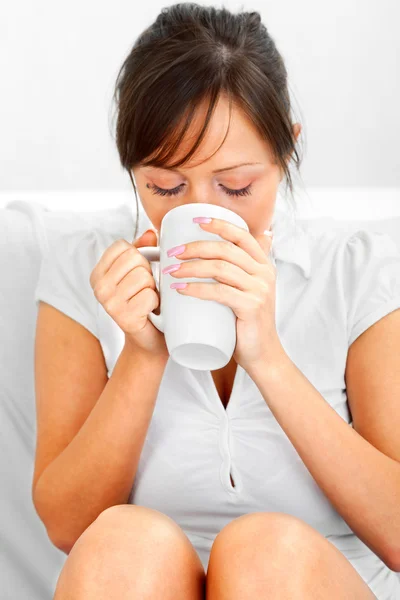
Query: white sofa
(29,563)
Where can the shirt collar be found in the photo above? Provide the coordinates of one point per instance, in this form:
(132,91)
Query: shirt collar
(290,242)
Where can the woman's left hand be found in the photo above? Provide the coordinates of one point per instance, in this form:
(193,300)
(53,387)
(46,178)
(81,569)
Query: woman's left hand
(246,283)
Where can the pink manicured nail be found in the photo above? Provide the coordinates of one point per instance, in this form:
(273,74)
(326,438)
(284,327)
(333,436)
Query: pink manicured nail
(202,220)
(170,269)
(176,250)
(179,286)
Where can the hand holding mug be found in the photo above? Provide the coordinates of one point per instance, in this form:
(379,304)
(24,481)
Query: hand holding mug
(205,324)
(245,281)
(123,283)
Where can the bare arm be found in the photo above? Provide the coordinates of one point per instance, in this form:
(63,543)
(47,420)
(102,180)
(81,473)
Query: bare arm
(97,468)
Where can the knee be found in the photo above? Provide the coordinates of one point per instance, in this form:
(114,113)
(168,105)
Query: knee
(126,529)
(268,535)
(126,547)
(127,517)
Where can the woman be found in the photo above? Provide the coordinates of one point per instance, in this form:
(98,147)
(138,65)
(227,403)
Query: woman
(245,482)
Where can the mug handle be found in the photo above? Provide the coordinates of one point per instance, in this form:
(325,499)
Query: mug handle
(152,254)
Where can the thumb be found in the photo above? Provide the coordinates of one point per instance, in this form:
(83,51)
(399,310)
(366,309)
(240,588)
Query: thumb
(148,238)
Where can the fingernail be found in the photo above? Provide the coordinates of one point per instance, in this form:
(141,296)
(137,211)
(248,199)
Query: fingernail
(170,269)
(202,220)
(178,286)
(176,250)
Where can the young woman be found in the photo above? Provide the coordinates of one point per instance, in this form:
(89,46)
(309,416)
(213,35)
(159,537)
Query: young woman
(278,475)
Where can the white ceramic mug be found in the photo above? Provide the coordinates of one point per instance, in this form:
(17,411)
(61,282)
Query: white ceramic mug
(199,334)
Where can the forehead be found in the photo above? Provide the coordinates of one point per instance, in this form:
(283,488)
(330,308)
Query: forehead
(243,142)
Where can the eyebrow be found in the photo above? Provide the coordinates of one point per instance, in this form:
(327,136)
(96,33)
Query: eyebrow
(215,170)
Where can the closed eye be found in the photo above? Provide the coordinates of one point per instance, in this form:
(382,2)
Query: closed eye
(174,191)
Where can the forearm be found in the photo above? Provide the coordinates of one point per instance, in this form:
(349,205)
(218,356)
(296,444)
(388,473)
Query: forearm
(97,469)
(362,483)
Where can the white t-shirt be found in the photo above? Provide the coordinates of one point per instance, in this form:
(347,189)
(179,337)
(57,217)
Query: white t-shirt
(330,287)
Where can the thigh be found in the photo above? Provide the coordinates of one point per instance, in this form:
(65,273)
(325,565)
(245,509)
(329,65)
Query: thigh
(276,555)
(130,551)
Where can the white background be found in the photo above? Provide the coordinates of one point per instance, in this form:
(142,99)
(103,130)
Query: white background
(59,61)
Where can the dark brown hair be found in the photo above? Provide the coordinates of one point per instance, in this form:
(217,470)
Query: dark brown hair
(193,53)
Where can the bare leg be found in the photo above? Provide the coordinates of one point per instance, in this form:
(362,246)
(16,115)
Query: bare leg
(277,556)
(132,552)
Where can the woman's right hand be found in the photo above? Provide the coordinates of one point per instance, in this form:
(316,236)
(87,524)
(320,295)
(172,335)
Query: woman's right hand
(123,283)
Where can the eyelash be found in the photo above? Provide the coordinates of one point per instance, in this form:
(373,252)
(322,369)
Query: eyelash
(174,191)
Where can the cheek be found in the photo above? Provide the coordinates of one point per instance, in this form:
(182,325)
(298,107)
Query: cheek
(154,214)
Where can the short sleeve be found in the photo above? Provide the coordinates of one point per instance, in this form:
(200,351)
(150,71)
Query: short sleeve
(371,279)
(64,276)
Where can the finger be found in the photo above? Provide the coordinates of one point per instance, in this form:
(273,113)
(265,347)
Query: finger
(124,264)
(238,236)
(222,271)
(226,251)
(242,303)
(108,258)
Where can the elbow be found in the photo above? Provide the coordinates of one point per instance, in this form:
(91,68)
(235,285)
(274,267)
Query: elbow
(393,551)
(393,560)
(52,532)
(53,535)
(66,548)
(59,542)
(389,554)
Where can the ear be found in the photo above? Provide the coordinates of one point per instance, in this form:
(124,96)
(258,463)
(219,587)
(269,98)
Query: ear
(296,130)
(297,127)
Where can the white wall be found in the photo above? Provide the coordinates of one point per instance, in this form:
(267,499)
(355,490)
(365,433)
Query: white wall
(59,60)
